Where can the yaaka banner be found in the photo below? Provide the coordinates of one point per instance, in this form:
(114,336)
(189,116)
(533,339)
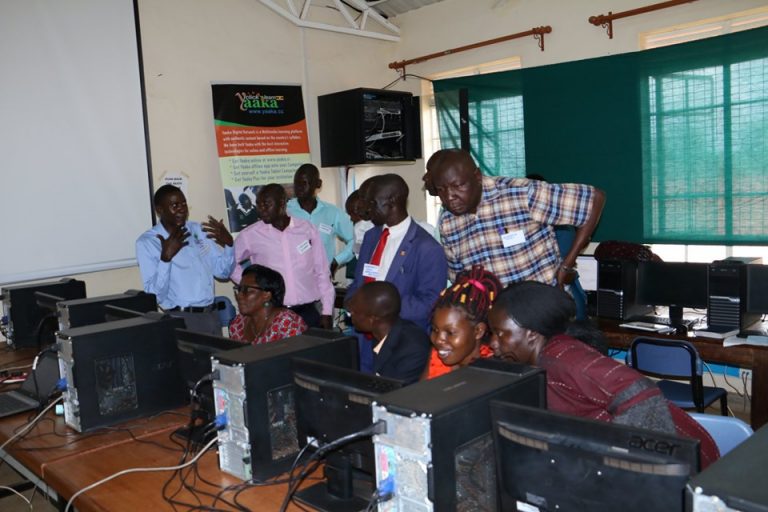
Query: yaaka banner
(261,135)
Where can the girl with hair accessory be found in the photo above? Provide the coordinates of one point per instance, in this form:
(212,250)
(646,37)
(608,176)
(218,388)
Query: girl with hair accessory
(532,323)
(459,325)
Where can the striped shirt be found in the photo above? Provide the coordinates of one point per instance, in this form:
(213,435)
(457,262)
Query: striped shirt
(519,214)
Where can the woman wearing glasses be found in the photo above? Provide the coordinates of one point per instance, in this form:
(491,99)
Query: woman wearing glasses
(262,318)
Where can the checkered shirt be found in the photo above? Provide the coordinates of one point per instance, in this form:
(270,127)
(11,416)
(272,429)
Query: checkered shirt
(508,205)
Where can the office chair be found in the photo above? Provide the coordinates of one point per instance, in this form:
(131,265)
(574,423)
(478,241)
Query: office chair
(727,432)
(225,308)
(676,359)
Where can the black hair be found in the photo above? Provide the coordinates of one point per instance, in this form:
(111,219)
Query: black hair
(268,280)
(351,199)
(273,189)
(381,298)
(310,170)
(396,183)
(547,310)
(163,192)
(473,291)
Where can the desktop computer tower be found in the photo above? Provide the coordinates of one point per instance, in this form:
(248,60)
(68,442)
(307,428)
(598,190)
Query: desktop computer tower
(735,482)
(616,290)
(726,281)
(22,316)
(437,453)
(80,312)
(120,370)
(253,390)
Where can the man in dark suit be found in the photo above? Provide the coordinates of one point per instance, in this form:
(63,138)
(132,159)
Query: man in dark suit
(400,347)
(399,251)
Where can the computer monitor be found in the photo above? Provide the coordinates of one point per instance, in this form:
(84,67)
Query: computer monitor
(756,289)
(24,322)
(333,402)
(674,284)
(92,310)
(112,313)
(195,350)
(549,461)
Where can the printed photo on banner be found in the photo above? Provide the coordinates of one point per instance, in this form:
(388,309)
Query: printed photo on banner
(261,136)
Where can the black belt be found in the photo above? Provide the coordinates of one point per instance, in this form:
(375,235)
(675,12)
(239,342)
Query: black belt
(194,309)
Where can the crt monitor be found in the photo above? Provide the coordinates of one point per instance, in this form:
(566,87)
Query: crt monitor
(757,289)
(551,462)
(674,284)
(333,402)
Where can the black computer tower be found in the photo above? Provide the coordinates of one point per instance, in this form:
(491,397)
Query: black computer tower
(120,370)
(253,390)
(735,482)
(437,452)
(361,126)
(616,290)
(22,316)
(726,306)
(92,310)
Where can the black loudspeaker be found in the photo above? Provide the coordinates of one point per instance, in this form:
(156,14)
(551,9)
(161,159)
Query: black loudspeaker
(725,304)
(361,126)
(616,290)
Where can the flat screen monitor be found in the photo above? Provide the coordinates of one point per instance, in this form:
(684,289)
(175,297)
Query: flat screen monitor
(92,310)
(552,462)
(195,352)
(757,289)
(333,402)
(674,284)
(26,323)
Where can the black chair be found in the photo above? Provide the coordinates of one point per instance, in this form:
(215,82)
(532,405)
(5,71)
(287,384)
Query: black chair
(676,359)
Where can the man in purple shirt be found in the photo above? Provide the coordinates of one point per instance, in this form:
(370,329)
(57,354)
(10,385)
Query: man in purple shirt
(292,247)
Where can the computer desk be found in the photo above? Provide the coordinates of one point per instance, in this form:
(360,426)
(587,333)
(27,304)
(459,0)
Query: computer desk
(144,491)
(61,461)
(711,350)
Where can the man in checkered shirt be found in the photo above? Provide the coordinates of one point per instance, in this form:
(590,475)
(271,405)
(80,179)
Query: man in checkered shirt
(507,224)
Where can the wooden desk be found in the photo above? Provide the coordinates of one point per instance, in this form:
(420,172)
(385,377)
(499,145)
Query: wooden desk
(144,491)
(743,356)
(50,440)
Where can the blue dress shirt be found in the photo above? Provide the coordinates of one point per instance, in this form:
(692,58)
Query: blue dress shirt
(186,280)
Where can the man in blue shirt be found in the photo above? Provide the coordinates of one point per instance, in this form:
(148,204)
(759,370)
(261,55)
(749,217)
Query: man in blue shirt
(331,222)
(179,259)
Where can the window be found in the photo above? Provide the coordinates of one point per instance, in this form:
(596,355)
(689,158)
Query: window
(500,116)
(706,148)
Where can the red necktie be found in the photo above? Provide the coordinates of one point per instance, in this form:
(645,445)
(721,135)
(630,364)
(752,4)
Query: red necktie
(376,258)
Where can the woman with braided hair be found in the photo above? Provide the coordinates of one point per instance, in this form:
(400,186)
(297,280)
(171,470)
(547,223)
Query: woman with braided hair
(459,321)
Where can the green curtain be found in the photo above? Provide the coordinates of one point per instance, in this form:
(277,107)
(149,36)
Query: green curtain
(677,136)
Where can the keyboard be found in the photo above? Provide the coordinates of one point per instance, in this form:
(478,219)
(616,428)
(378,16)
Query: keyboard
(662,320)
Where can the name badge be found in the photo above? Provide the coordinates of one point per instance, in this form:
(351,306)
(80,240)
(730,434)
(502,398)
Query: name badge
(513,238)
(325,229)
(303,247)
(371,271)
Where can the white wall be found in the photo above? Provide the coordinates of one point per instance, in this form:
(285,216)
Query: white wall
(189,43)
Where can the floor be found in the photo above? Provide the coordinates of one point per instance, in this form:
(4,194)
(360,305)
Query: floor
(39,503)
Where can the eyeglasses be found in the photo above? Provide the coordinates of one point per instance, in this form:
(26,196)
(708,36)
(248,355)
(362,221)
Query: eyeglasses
(245,289)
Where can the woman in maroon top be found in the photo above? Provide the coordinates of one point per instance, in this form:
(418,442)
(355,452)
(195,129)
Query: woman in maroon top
(262,317)
(530,323)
